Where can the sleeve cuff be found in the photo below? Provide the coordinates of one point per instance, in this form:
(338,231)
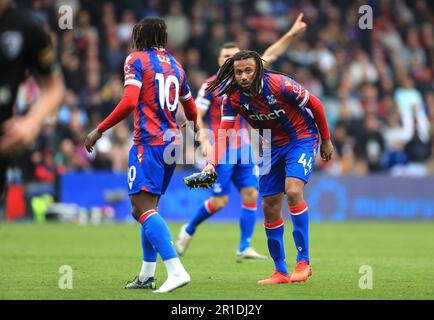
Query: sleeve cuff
(134,82)
(228,118)
(186,97)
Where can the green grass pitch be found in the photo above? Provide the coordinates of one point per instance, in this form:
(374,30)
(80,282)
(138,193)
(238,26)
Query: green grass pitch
(103,257)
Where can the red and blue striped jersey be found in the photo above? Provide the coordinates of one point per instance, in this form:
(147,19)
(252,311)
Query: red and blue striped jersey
(212,104)
(280,107)
(163,84)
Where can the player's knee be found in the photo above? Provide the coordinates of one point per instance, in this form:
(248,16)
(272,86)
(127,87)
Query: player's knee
(270,208)
(219,203)
(144,201)
(294,195)
(249,195)
(135,212)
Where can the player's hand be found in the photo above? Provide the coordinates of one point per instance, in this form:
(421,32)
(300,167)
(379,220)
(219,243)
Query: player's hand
(326,150)
(299,25)
(91,139)
(209,168)
(18,134)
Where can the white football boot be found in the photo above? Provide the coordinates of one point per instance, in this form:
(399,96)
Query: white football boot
(249,253)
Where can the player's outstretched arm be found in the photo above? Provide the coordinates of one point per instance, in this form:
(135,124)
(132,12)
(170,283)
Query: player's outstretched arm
(20,132)
(276,49)
(122,110)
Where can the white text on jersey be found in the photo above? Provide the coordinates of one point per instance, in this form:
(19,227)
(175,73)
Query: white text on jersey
(271,116)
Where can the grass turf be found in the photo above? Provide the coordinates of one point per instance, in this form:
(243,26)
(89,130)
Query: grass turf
(103,257)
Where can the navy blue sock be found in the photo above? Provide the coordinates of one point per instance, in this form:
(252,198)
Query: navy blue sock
(204,212)
(247,225)
(300,221)
(158,234)
(274,231)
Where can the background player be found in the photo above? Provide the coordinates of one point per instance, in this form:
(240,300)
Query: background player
(24,46)
(242,175)
(269,100)
(154,83)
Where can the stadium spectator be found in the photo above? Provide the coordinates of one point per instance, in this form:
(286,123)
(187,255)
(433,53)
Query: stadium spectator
(395,140)
(178,25)
(381,77)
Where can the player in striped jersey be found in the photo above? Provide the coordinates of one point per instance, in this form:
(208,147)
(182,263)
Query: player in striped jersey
(241,174)
(154,83)
(274,101)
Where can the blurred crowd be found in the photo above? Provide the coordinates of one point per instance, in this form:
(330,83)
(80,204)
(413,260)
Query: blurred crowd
(376,85)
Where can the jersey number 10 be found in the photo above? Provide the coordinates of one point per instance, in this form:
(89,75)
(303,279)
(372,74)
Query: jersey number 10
(164,91)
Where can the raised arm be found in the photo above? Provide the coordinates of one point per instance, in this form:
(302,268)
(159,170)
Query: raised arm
(276,49)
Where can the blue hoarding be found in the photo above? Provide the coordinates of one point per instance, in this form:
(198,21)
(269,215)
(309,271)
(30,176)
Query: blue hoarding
(328,198)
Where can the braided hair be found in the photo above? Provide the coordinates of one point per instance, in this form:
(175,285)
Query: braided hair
(149,32)
(225,81)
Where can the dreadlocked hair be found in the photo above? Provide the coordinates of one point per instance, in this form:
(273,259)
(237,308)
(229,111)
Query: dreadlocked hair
(149,32)
(225,81)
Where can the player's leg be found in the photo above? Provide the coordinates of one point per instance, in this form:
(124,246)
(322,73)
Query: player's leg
(299,164)
(274,229)
(216,202)
(149,181)
(205,211)
(271,188)
(154,229)
(248,217)
(245,179)
(138,180)
(146,277)
(300,221)
(157,233)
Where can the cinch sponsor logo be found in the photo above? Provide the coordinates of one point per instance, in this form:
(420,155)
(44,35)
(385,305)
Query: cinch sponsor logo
(271,116)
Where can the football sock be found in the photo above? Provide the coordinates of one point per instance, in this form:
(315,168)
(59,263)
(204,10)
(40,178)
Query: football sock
(300,221)
(158,234)
(149,258)
(204,212)
(147,271)
(274,231)
(149,252)
(247,224)
(174,267)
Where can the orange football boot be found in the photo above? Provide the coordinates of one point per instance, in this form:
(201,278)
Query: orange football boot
(276,278)
(302,272)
